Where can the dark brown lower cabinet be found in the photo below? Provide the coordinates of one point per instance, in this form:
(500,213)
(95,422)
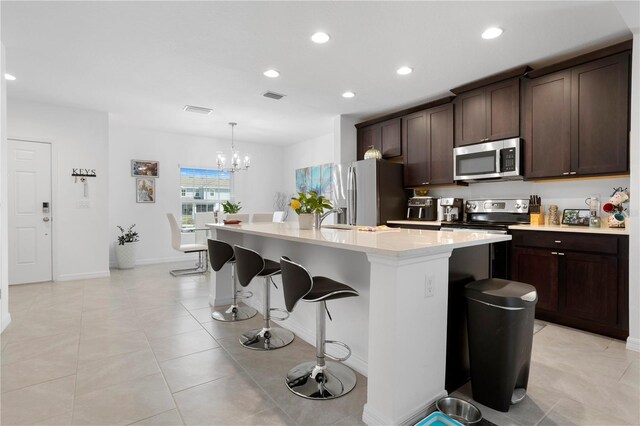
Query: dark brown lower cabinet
(581,280)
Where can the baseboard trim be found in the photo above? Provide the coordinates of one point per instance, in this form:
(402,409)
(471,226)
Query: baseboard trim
(83,276)
(141,262)
(633,344)
(372,417)
(6,320)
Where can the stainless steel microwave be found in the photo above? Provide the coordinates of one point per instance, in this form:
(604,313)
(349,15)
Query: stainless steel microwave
(490,160)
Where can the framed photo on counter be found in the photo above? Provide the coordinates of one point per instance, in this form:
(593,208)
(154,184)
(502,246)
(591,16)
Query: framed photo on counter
(579,217)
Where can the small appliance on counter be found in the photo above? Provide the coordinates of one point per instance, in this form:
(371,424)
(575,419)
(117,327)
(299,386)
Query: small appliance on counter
(422,208)
(452,209)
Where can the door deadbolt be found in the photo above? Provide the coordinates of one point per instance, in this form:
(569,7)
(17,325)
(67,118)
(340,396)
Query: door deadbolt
(45,219)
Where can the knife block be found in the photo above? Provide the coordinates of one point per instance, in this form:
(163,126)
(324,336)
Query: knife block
(536,219)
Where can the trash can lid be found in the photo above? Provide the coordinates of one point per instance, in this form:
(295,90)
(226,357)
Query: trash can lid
(504,293)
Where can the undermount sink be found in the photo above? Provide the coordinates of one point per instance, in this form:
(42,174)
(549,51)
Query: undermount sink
(339,226)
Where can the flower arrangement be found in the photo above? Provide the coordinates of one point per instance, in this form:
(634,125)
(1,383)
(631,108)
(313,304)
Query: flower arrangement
(128,236)
(309,203)
(230,208)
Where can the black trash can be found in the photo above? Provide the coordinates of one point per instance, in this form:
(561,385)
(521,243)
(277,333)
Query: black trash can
(457,370)
(500,325)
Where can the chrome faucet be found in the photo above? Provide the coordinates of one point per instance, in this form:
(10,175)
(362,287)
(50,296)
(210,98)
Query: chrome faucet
(323,216)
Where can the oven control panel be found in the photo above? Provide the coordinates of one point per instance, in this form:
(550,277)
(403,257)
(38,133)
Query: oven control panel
(497,206)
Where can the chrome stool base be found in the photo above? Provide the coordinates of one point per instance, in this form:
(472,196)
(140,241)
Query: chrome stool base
(234,313)
(331,381)
(266,339)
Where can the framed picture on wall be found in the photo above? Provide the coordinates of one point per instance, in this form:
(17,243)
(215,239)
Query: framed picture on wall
(145,190)
(144,168)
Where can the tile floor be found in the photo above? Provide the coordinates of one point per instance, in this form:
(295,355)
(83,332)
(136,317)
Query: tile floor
(140,348)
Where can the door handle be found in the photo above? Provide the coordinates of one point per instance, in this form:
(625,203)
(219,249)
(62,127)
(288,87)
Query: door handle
(45,219)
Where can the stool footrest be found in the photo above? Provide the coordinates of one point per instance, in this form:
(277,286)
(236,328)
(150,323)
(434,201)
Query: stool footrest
(244,294)
(344,345)
(286,314)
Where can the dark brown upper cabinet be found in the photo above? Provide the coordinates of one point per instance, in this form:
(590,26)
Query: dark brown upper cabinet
(547,125)
(427,144)
(576,121)
(488,113)
(384,136)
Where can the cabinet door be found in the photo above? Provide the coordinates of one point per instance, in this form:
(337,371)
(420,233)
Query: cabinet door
(367,137)
(547,125)
(390,132)
(589,287)
(416,149)
(538,267)
(471,117)
(440,140)
(503,109)
(599,116)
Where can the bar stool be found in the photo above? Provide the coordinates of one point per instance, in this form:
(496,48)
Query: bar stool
(317,379)
(250,265)
(219,254)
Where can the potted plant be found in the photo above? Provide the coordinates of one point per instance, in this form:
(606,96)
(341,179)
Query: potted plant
(309,206)
(230,208)
(126,247)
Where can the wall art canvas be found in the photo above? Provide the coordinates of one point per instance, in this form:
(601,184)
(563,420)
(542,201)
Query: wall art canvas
(317,179)
(144,168)
(145,190)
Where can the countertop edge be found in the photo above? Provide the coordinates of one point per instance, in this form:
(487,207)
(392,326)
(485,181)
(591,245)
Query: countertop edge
(572,229)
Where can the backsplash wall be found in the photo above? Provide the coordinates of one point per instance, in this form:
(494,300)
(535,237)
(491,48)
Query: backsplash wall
(566,194)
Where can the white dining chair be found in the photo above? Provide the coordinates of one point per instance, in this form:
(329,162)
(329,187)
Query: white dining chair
(202,265)
(242,217)
(262,217)
(200,221)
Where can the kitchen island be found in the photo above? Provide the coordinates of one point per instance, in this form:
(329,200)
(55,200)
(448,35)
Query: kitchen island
(396,328)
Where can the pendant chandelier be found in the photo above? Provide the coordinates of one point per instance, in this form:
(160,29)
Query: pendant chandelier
(237,161)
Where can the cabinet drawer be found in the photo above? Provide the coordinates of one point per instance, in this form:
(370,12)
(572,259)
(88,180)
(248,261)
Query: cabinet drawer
(605,244)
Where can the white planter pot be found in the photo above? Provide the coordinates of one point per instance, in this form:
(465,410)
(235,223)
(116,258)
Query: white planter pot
(305,221)
(126,255)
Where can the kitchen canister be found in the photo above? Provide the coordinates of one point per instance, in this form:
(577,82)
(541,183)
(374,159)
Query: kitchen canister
(554,216)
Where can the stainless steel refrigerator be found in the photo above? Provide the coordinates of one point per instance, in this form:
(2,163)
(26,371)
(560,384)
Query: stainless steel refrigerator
(371,191)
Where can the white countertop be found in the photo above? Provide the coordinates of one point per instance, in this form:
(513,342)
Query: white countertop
(416,222)
(396,242)
(576,229)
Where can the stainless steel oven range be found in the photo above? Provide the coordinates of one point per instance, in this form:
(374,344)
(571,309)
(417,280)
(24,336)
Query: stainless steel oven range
(493,216)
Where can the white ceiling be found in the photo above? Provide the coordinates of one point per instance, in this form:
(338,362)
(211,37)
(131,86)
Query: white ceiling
(143,61)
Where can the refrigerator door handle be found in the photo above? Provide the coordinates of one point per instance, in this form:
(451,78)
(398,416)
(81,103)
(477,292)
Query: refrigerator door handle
(351,199)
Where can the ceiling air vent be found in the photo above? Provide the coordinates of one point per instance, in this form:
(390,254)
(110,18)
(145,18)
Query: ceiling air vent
(273,95)
(197,110)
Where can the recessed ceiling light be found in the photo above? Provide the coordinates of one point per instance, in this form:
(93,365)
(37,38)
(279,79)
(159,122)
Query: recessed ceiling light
(9,77)
(492,32)
(320,37)
(404,70)
(197,109)
(271,73)
(348,94)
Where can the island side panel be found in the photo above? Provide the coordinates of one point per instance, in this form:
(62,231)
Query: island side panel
(408,336)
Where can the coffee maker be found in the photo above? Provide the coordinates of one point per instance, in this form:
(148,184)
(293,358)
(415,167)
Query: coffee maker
(452,209)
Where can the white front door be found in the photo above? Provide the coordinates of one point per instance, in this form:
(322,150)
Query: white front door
(29,206)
